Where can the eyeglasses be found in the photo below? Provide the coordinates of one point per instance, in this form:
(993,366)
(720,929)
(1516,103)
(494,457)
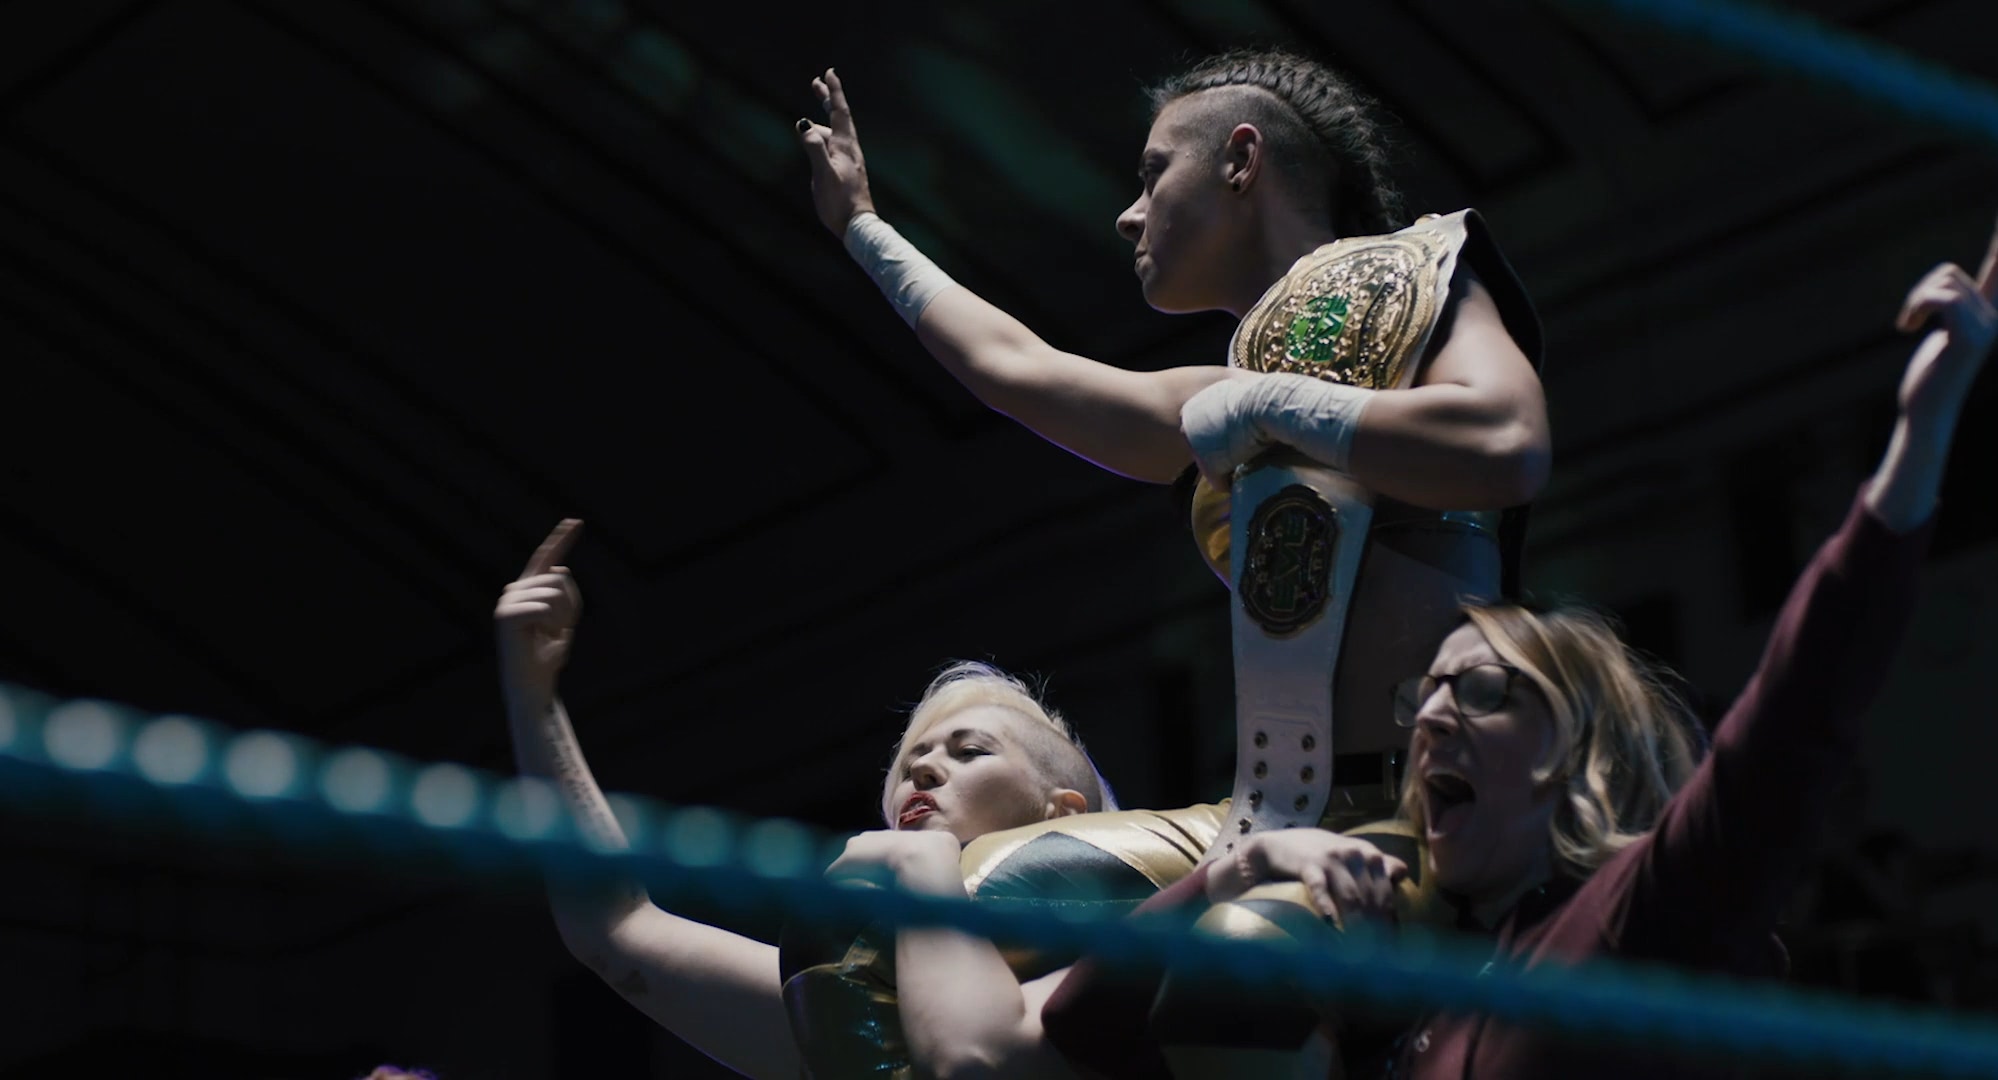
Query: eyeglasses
(1477,691)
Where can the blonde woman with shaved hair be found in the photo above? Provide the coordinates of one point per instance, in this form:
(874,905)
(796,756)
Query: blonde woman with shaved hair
(985,781)
(1048,746)
(981,755)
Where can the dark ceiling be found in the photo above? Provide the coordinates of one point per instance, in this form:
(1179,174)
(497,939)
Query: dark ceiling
(317,316)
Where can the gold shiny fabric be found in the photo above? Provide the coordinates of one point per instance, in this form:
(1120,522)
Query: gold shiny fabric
(844,1011)
(1416,898)
(1207,1035)
(1163,845)
(1358,311)
(845,1016)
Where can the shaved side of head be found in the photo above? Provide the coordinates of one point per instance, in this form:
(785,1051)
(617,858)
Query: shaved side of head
(1296,156)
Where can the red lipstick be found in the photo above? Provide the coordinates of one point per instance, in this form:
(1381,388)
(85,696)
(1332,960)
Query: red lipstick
(915,808)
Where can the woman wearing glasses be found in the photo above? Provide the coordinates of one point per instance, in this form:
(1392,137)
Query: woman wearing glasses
(1559,786)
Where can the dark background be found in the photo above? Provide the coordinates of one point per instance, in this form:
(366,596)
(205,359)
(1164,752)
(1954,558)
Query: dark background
(316,316)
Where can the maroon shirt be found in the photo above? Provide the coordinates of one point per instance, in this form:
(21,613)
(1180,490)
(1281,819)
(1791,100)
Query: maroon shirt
(1701,890)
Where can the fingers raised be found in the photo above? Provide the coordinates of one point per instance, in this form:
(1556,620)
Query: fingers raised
(834,99)
(555,547)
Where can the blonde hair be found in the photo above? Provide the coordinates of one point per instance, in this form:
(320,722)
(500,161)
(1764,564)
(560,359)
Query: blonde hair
(1624,739)
(1055,750)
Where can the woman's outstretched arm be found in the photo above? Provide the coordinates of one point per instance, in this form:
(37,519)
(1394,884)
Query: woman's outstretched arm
(1751,814)
(1473,436)
(718,991)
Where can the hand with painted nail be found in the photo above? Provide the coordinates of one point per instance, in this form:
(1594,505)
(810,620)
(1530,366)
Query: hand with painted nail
(839,173)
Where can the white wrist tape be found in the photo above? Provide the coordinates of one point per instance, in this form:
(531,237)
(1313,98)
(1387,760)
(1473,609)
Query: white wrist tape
(905,276)
(1231,422)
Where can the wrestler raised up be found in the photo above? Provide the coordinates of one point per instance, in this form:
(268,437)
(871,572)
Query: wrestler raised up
(1406,361)
(1253,161)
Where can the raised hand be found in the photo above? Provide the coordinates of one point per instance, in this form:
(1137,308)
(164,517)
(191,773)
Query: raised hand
(1944,366)
(839,173)
(536,617)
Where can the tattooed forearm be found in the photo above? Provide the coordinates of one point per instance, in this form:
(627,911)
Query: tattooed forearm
(719,991)
(545,744)
(586,802)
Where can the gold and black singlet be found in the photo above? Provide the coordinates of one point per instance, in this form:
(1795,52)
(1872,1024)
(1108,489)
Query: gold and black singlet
(839,983)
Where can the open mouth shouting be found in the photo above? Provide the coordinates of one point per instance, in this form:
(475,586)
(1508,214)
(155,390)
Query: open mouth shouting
(1448,798)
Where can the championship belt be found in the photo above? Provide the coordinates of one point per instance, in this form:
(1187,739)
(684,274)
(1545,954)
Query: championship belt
(1295,558)
(1293,533)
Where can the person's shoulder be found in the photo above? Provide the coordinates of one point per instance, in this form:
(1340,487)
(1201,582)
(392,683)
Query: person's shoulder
(1479,258)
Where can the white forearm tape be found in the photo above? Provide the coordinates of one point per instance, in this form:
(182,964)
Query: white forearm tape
(1231,422)
(905,276)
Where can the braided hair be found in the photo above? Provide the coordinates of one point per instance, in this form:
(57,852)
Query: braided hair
(1319,126)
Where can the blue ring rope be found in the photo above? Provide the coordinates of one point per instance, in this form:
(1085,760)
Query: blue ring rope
(1851,63)
(194,779)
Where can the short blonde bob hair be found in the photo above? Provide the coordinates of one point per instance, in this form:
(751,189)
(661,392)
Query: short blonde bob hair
(1055,751)
(1624,740)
